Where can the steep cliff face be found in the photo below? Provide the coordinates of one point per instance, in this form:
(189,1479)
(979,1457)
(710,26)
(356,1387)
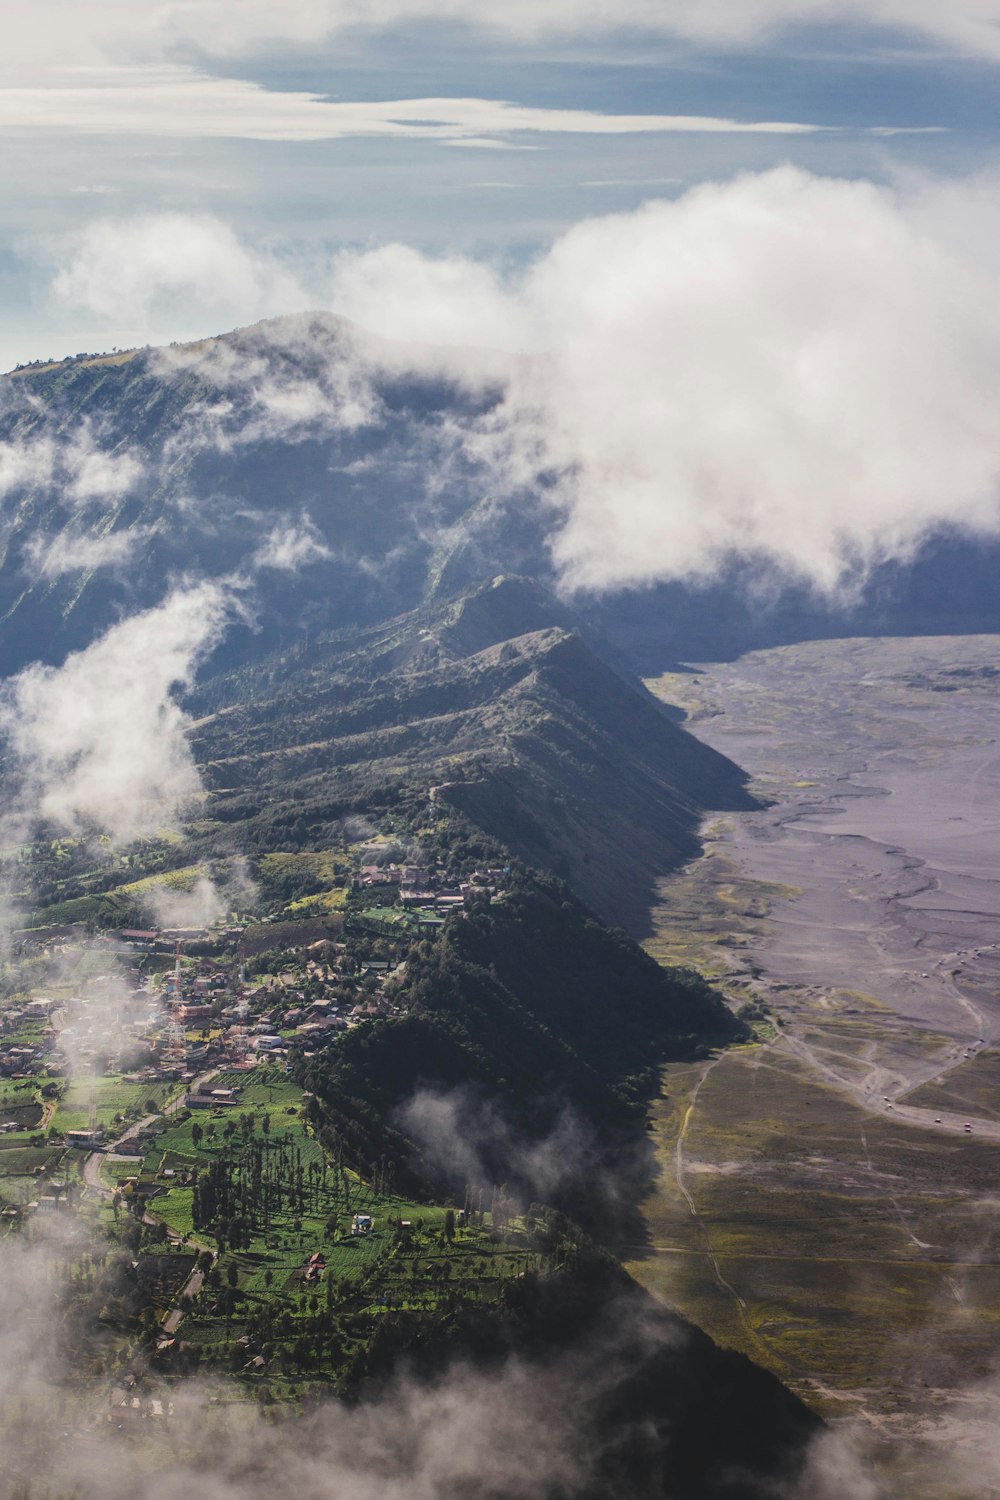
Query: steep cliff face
(534,737)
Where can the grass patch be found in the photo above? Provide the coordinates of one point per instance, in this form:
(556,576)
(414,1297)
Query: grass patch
(973,1088)
(848,1238)
(110,1097)
(707,911)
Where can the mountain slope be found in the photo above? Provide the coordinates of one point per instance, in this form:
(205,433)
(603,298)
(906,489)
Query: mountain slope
(535,738)
(122,473)
(520,1011)
(182,461)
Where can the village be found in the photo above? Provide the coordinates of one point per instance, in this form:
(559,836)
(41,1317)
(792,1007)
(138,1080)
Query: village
(174,1003)
(148,1024)
(156,1087)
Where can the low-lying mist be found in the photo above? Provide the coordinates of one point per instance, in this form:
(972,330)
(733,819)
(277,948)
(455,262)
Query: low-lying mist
(552,1423)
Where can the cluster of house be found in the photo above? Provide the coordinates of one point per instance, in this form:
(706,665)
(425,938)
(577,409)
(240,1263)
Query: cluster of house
(22,1060)
(259,1024)
(16,1016)
(210,1098)
(153,1032)
(429,888)
(128,1403)
(165,939)
(344,999)
(106,1024)
(53,1196)
(113,1023)
(19,1059)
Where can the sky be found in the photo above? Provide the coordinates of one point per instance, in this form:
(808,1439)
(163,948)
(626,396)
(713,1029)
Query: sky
(172,168)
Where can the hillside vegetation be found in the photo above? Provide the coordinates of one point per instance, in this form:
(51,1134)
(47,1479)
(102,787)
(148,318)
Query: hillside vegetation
(538,1024)
(528,732)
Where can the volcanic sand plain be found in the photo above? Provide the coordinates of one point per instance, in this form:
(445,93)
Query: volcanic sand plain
(828,1198)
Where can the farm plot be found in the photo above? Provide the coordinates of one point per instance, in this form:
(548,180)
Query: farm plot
(109,1099)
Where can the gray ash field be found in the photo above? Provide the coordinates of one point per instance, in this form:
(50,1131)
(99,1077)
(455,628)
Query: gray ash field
(881,762)
(828,1197)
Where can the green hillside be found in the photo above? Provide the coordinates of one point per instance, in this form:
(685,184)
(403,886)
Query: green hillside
(528,732)
(535,1019)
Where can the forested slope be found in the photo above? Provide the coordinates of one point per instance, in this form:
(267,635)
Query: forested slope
(534,1023)
(535,738)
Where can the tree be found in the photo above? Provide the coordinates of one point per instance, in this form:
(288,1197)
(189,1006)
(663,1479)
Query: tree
(232,1273)
(449,1225)
(196,1134)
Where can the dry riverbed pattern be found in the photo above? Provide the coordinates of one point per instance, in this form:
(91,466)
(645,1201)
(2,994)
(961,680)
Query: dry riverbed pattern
(827,1199)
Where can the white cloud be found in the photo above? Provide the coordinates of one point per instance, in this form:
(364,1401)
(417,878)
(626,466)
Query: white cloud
(781,367)
(402,295)
(129,30)
(136,270)
(26,464)
(101,741)
(180,101)
(93,474)
(83,471)
(288,379)
(288,548)
(50,557)
(207,899)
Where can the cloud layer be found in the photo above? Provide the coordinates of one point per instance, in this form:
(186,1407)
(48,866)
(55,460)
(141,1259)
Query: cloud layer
(785,369)
(179,101)
(968,25)
(116,30)
(788,369)
(99,742)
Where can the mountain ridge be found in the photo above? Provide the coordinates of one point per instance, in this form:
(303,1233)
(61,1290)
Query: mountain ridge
(308,421)
(538,740)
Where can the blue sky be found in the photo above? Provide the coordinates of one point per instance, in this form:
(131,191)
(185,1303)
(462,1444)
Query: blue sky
(124,110)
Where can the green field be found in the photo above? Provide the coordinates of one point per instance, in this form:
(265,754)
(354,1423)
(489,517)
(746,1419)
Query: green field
(24,1161)
(833,1246)
(111,1100)
(973,1088)
(260,1288)
(282,1247)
